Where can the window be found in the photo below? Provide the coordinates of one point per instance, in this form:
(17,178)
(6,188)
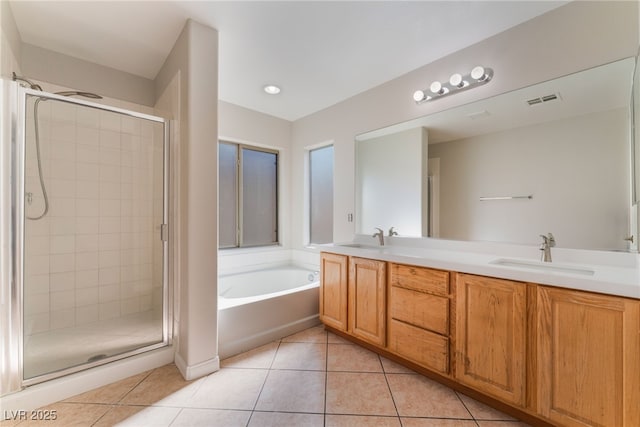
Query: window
(248,194)
(321,195)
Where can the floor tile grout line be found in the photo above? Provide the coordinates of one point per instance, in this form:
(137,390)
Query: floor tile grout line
(137,384)
(273,411)
(465,407)
(116,403)
(326,377)
(444,418)
(273,359)
(101,416)
(176,416)
(348,414)
(386,380)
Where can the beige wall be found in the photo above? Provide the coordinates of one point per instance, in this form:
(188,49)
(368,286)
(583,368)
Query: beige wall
(574,37)
(42,64)
(244,125)
(10,43)
(195,58)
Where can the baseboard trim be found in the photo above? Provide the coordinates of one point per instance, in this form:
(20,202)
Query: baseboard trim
(199,370)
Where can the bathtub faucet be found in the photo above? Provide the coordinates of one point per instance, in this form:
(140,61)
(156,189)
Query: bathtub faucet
(380,236)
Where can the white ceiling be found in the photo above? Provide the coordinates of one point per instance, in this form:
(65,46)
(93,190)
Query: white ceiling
(320,53)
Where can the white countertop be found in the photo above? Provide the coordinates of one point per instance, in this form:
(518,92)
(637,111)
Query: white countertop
(612,273)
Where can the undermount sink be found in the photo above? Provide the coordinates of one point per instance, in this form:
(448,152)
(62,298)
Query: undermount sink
(543,266)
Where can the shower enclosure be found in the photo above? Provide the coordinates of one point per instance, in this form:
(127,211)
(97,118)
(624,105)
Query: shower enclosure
(88,232)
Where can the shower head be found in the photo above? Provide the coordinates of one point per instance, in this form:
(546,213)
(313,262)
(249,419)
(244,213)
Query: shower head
(79,93)
(28,82)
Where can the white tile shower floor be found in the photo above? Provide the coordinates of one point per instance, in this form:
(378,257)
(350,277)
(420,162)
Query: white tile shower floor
(312,378)
(58,349)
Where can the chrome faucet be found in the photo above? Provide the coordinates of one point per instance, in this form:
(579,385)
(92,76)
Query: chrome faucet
(392,232)
(380,236)
(548,242)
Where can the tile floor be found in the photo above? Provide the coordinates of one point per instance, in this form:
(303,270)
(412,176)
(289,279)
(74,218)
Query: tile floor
(312,378)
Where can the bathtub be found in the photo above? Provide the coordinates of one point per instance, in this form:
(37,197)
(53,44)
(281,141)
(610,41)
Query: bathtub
(260,306)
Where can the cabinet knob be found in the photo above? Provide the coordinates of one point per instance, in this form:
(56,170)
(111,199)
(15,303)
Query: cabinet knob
(629,239)
(412,271)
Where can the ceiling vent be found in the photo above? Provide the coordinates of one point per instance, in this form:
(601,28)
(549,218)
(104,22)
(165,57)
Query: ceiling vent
(543,99)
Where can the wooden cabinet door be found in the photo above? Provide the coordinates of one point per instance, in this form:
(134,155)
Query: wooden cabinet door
(367,300)
(588,358)
(333,290)
(490,336)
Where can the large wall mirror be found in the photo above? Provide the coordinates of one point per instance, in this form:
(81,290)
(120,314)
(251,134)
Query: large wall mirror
(553,157)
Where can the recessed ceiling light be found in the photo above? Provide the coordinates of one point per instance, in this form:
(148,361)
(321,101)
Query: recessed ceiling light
(272,89)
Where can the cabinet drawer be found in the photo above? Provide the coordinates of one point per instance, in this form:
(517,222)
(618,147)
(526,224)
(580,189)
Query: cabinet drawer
(420,279)
(419,309)
(422,347)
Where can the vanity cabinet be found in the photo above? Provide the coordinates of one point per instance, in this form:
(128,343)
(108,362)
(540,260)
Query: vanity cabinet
(333,290)
(367,300)
(419,315)
(353,296)
(491,336)
(553,356)
(588,358)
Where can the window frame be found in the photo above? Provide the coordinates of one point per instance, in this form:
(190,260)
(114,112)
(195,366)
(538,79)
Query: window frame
(239,232)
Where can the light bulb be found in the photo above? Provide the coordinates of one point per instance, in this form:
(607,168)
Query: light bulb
(272,89)
(436,87)
(478,73)
(419,96)
(456,80)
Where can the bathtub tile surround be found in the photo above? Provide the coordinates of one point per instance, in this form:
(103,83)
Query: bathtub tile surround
(252,390)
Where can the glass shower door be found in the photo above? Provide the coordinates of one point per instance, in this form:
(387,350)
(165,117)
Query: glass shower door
(94,280)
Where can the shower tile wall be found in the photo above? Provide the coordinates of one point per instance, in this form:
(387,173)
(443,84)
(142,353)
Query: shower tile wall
(91,257)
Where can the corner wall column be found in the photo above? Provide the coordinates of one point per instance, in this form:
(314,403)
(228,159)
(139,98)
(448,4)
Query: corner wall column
(195,57)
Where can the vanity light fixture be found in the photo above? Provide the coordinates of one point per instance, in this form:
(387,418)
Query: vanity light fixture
(272,89)
(457,83)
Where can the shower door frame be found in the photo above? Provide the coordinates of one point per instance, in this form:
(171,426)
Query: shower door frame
(18,160)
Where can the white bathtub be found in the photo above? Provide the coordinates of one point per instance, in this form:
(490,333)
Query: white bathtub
(260,306)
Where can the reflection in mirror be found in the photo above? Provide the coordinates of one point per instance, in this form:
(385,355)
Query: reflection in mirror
(635,158)
(553,157)
(391,180)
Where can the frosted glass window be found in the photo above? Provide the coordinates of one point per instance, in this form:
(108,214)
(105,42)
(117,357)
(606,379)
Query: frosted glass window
(228,194)
(248,191)
(259,197)
(321,195)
